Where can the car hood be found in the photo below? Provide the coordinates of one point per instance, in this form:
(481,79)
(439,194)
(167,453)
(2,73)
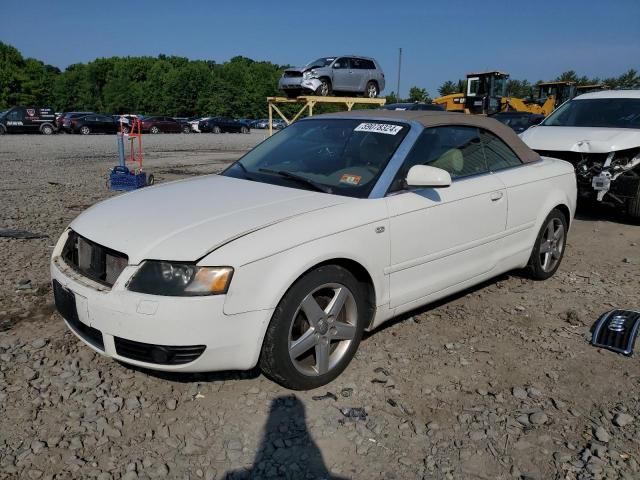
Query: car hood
(187,219)
(581,139)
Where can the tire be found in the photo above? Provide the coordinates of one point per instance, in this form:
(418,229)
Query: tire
(84,130)
(216,130)
(155,130)
(244,130)
(46,129)
(549,247)
(186,129)
(150,179)
(314,293)
(633,207)
(324,90)
(2,130)
(371,91)
(125,130)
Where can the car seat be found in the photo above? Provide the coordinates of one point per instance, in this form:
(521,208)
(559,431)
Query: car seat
(452,161)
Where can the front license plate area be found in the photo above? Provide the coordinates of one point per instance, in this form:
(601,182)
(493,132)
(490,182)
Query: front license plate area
(65,302)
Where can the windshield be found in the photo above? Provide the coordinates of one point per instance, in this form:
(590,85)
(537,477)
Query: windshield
(339,156)
(600,112)
(321,62)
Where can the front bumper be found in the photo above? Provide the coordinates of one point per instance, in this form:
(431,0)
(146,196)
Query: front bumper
(299,83)
(130,326)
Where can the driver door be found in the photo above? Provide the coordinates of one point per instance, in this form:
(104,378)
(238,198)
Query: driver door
(341,76)
(444,237)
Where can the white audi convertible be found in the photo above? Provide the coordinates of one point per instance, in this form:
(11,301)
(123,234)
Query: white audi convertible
(329,228)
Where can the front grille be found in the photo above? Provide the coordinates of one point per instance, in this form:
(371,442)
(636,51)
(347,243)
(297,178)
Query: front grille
(158,354)
(617,331)
(92,260)
(65,302)
(292,74)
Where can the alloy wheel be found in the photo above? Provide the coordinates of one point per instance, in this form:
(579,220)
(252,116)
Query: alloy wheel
(323,327)
(552,244)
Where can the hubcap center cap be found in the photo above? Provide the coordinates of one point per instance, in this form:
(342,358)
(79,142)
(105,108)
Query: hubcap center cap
(323,327)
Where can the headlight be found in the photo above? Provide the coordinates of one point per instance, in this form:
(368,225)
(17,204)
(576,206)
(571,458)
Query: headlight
(310,74)
(180,279)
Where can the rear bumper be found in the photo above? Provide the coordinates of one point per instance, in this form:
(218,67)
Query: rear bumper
(161,333)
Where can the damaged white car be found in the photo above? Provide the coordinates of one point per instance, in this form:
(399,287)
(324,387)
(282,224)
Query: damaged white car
(599,133)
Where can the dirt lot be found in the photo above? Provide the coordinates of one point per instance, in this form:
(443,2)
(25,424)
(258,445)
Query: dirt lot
(499,382)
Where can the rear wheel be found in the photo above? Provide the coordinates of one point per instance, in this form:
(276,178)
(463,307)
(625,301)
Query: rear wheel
(315,330)
(216,129)
(84,130)
(549,247)
(2,130)
(154,130)
(46,129)
(244,129)
(186,129)
(324,90)
(125,129)
(372,90)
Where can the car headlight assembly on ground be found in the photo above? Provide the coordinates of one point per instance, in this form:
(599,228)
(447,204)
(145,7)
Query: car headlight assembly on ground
(180,279)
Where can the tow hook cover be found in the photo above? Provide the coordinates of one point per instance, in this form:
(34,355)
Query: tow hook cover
(617,331)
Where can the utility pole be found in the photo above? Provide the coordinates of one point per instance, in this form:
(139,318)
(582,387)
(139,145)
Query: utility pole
(399,67)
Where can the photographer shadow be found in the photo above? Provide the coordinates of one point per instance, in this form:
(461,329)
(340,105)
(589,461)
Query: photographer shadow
(286,450)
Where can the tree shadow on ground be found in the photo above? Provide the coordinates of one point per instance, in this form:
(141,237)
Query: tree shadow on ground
(286,450)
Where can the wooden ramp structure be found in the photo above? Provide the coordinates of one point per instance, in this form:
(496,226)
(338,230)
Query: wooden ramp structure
(308,102)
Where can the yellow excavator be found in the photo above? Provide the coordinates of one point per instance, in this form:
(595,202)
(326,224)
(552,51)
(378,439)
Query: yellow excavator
(486,94)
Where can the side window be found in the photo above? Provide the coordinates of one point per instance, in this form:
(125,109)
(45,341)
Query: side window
(498,154)
(357,64)
(455,149)
(369,65)
(14,116)
(341,63)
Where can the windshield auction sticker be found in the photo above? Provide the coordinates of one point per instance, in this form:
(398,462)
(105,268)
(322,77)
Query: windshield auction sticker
(386,128)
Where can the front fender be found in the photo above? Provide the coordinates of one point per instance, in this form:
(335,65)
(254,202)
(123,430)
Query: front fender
(311,84)
(261,284)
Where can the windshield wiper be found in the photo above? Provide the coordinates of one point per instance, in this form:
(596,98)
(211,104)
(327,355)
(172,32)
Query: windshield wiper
(299,178)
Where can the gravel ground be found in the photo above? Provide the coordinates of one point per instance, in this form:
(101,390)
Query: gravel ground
(499,382)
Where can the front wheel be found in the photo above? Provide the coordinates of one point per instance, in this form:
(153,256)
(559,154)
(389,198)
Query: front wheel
(155,130)
(2,130)
(46,130)
(186,129)
(372,90)
(216,129)
(244,129)
(324,90)
(84,130)
(549,247)
(633,207)
(315,330)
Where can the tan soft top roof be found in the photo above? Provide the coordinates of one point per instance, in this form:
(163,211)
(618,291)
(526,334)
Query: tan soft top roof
(437,119)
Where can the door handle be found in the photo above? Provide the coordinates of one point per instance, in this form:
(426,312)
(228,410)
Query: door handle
(495,196)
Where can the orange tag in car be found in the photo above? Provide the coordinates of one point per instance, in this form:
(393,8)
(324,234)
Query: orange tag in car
(350,179)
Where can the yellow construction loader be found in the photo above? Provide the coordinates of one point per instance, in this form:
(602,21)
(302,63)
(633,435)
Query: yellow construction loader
(486,94)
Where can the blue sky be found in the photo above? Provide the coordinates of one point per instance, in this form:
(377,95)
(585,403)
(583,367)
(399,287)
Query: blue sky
(441,40)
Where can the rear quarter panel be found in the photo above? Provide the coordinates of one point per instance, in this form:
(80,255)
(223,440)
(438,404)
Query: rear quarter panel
(533,191)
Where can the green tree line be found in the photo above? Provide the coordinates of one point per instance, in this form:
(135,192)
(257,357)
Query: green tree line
(166,85)
(178,86)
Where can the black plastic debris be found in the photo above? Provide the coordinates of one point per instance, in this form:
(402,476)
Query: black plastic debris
(346,392)
(20,234)
(617,331)
(354,413)
(392,402)
(325,396)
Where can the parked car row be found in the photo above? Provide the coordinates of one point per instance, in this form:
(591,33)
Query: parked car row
(44,120)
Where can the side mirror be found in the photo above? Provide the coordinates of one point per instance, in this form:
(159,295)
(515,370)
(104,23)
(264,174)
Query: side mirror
(426,176)
(336,65)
